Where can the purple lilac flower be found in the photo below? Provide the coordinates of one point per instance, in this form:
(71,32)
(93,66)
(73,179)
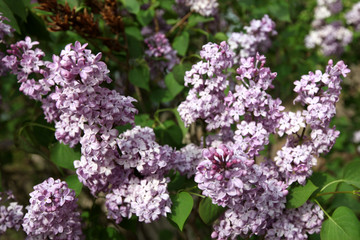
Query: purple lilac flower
(5,29)
(291,123)
(255,39)
(187,159)
(52,212)
(140,151)
(160,56)
(331,38)
(203,7)
(297,223)
(353,16)
(326,8)
(356,139)
(258,205)
(70,91)
(11,213)
(146,198)
(206,99)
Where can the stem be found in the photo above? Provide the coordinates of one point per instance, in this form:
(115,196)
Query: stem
(179,23)
(355,192)
(36,125)
(330,183)
(197,194)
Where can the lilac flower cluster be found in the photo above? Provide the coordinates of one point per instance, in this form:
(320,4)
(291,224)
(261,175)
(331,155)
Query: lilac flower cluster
(160,56)
(318,92)
(11,213)
(297,223)
(254,193)
(5,30)
(52,212)
(147,198)
(208,78)
(326,8)
(203,7)
(143,191)
(356,139)
(331,38)
(255,39)
(353,16)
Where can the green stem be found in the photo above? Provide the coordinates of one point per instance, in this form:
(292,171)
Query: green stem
(355,192)
(36,125)
(197,194)
(330,183)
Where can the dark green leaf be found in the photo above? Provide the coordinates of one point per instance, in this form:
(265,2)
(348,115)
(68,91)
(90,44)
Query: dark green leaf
(140,77)
(134,32)
(181,43)
(132,6)
(6,11)
(180,122)
(280,10)
(144,120)
(299,194)
(64,156)
(342,225)
(145,16)
(208,211)
(167,4)
(182,204)
(18,8)
(179,72)
(74,183)
(351,173)
(320,180)
(195,19)
(174,87)
(345,199)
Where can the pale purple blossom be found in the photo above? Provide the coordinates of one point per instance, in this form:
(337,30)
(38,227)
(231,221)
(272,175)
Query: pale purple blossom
(256,38)
(203,7)
(353,16)
(11,212)
(52,212)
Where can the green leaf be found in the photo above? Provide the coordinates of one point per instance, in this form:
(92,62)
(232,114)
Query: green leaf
(167,4)
(321,180)
(182,204)
(145,16)
(132,6)
(173,86)
(74,183)
(6,12)
(280,10)
(140,77)
(179,72)
(221,36)
(299,194)
(351,173)
(64,156)
(143,120)
(342,225)
(18,8)
(180,122)
(345,199)
(181,43)
(134,32)
(208,211)
(195,19)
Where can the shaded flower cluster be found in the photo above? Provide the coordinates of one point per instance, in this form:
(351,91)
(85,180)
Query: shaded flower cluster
(160,56)
(52,212)
(256,38)
(326,8)
(297,223)
(147,198)
(5,30)
(203,7)
(353,16)
(11,213)
(331,38)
